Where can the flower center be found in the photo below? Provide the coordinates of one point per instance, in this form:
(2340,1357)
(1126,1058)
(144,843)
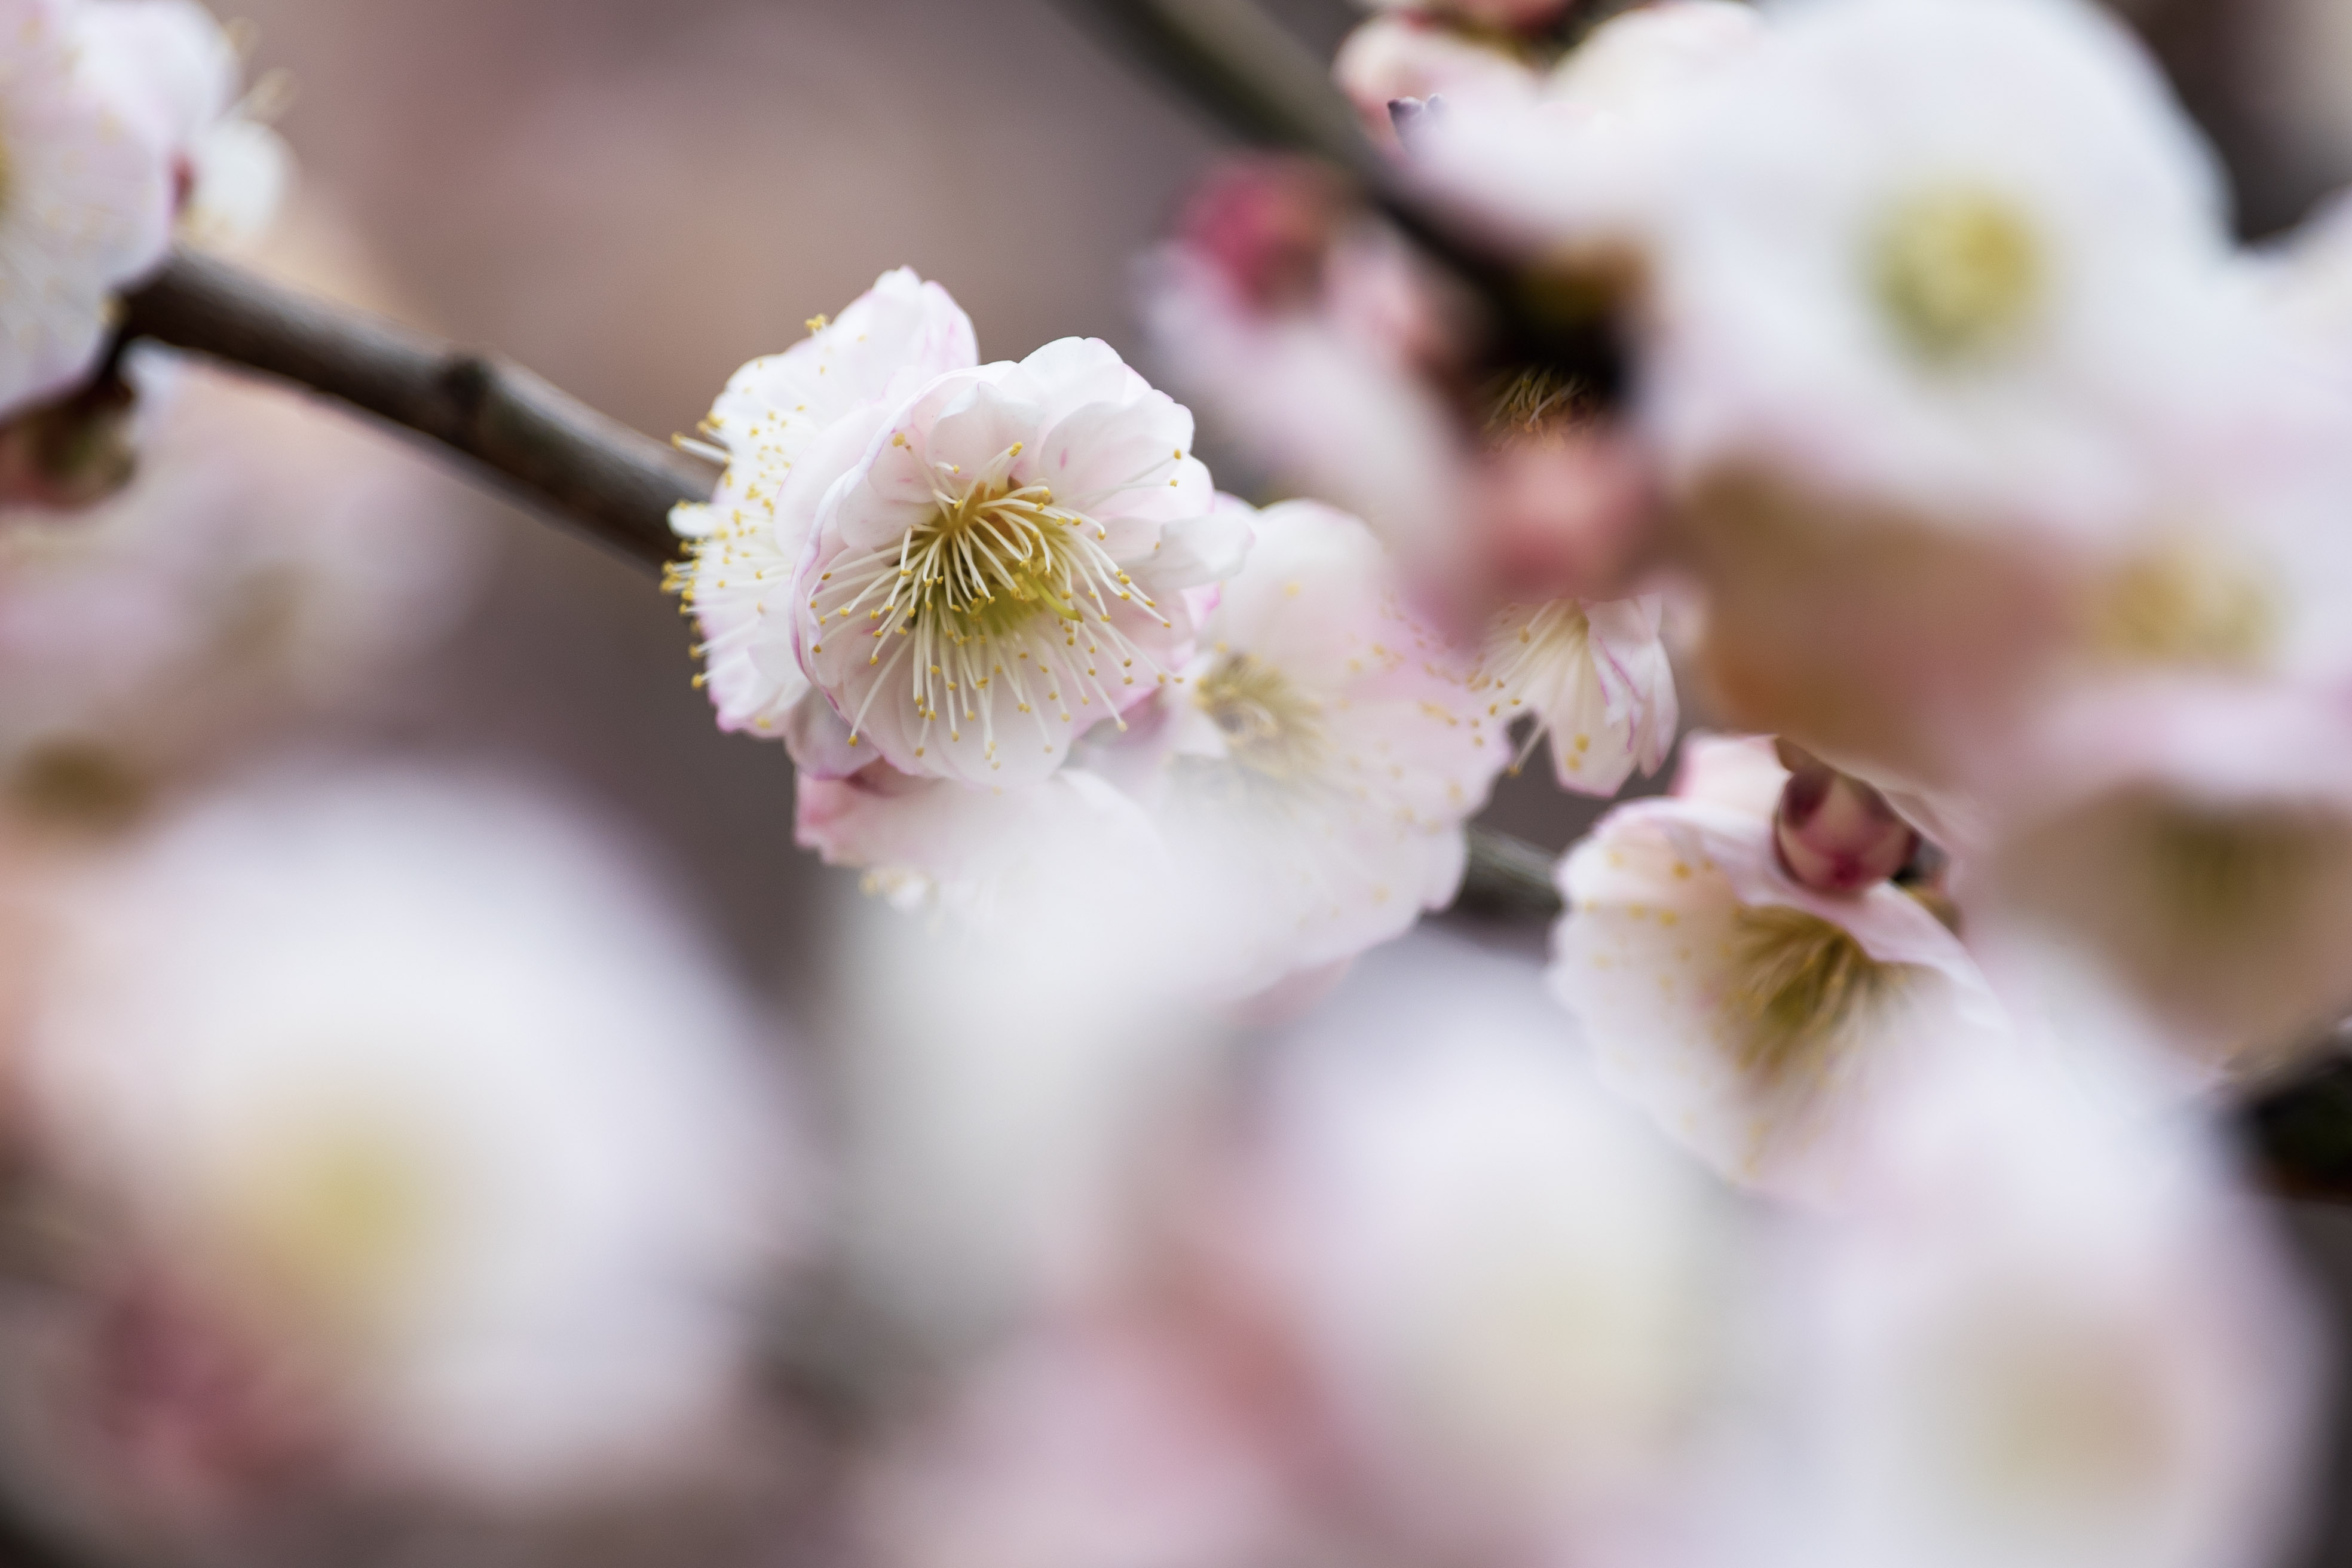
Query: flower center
(1803,980)
(2175,606)
(341,1209)
(1958,271)
(1537,404)
(1000,589)
(1270,727)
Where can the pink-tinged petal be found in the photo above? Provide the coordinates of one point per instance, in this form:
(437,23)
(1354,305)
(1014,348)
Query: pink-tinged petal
(1070,373)
(1326,750)
(967,617)
(1762,1023)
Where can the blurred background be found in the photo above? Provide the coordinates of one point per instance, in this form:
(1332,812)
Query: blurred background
(633,197)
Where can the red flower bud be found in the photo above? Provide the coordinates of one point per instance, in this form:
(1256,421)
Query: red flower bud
(1835,833)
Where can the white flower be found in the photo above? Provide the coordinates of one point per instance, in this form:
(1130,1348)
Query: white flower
(170,63)
(1565,168)
(1950,256)
(1324,390)
(1001,569)
(270,559)
(2192,841)
(1094,1446)
(1518,15)
(422,1083)
(790,425)
(2057,1337)
(1325,750)
(86,199)
(1520,1301)
(1597,681)
(1393,56)
(1760,1023)
(1064,851)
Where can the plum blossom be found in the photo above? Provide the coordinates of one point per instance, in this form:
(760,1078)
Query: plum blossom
(1513,1294)
(1307,337)
(1073,840)
(1088,1445)
(2054,1337)
(1324,750)
(1002,566)
(417,1086)
(267,561)
(1596,679)
(2191,841)
(1862,280)
(87,203)
(788,425)
(1560,170)
(1403,54)
(1762,1023)
(173,64)
(1513,15)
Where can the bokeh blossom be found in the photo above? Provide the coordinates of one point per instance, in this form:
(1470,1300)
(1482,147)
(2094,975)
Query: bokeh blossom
(1326,747)
(267,562)
(428,1100)
(2056,1336)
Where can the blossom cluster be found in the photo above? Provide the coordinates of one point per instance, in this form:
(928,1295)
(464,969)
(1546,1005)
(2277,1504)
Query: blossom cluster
(1983,487)
(1031,666)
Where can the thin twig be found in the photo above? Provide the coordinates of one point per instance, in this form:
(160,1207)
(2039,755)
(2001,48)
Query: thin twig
(540,445)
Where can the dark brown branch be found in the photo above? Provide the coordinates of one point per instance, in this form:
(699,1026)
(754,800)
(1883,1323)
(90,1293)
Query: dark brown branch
(546,448)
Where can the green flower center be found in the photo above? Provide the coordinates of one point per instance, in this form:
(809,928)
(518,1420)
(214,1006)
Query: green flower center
(1958,271)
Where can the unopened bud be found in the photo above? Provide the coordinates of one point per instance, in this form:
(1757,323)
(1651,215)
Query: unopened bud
(1266,224)
(1834,833)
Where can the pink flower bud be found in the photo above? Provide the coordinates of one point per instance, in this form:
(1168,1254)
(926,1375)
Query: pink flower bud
(1266,224)
(1835,833)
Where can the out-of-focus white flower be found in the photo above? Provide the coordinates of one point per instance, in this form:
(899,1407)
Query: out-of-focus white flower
(1302,334)
(1325,750)
(1514,15)
(1595,678)
(1035,856)
(1094,1446)
(792,424)
(2193,841)
(267,558)
(1762,1023)
(1864,277)
(2056,1337)
(1001,567)
(1561,169)
(1396,56)
(1006,1069)
(1520,1301)
(85,207)
(421,1084)
(170,63)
